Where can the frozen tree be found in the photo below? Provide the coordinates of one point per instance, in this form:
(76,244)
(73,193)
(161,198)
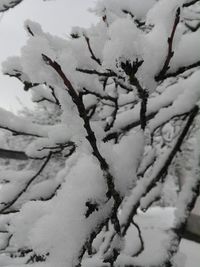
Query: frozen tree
(127,91)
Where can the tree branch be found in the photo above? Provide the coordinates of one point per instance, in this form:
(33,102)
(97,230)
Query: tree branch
(91,51)
(95,72)
(170,53)
(164,167)
(90,135)
(190,3)
(10,203)
(140,238)
(181,70)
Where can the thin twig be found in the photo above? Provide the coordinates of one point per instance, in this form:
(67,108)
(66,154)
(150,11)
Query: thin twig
(103,74)
(10,203)
(170,53)
(91,51)
(182,70)
(190,3)
(141,240)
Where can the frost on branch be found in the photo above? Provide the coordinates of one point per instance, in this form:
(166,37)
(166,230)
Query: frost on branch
(116,105)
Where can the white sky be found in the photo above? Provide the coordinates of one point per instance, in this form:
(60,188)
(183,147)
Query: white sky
(55,16)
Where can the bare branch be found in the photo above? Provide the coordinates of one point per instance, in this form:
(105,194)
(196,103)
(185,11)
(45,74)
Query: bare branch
(170,53)
(190,3)
(54,95)
(182,70)
(91,51)
(104,74)
(90,137)
(141,240)
(104,96)
(10,203)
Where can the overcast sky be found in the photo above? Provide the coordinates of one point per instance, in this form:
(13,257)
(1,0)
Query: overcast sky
(55,16)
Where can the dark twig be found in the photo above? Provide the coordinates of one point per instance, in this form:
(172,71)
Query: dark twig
(182,70)
(130,70)
(7,243)
(141,240)
(192,28)
(190,3)
(91,51)
(103,74)
(54,95)
(105,96)
(114,113)
(44,99)
(170,53)
(113,116)
(10,203)
(137,22)
(143,95)
(15,132)
(29,30)
(127,128)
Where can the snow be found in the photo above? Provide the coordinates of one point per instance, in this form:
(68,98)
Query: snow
(151,196)
(191,250)
(138,9)
(191,183)
(183,104)
(7,4)
(40,93)
(60,211)
(13,184)
(116,48)
(148,158)
(125,168)
(68,217)
(154,104)
(189,47)
(18,124)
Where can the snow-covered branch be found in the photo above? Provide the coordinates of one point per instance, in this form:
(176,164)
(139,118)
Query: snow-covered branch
(115,105)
